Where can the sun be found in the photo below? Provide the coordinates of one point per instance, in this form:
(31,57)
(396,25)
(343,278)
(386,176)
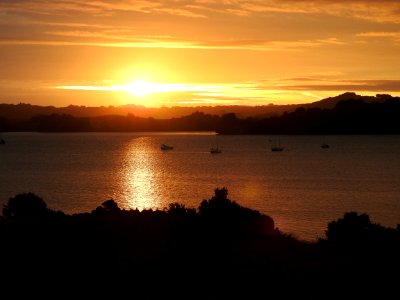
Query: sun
(141,88)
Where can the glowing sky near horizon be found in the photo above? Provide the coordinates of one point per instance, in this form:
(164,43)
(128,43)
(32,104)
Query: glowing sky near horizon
(202,52)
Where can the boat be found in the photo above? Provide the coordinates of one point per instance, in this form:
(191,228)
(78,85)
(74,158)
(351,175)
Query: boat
(216,149)
(166,147)
(276,146)
(324,145)
(276,149)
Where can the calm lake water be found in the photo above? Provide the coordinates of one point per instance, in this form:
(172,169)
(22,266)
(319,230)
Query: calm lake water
(302,188)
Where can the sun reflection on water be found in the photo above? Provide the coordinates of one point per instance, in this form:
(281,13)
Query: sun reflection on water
(139,175)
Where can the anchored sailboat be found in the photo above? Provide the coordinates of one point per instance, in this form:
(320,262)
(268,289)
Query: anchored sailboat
(276,146)
(216,149)
(166,147)
(324,145)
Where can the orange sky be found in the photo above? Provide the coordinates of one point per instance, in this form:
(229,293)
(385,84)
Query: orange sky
(204,52)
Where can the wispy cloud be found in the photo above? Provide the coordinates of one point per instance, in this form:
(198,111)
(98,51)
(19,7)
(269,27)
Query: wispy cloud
(373,10)
(107,22)
(180,12)
(100,7)
(119,39)
(311,84)
(257,92)
(270,45)
(260,92)
(392,35)
(79,25)
(137,44)
(192,94)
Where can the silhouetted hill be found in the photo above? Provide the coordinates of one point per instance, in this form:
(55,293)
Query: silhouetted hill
(345,114)
(376,115)
(331,102)
(25,111)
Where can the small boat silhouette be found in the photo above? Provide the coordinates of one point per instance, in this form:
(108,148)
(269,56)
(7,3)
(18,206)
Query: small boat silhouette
(215,150)
(166,147)
(276,146)
(325,146)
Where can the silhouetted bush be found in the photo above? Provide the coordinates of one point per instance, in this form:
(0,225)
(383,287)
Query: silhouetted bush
(220,207)
(238,249)
(351,228)
(220,210)
(25,205)
(180,210)
(355,229)
(108,206)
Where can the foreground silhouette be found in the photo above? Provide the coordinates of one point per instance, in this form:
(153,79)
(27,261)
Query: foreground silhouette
(220,250)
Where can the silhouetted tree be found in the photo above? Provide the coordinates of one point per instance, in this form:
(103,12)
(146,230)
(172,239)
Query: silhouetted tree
(180,210)
(220,210)
(351,226)
(110,205)
(356,231)
(219,205)
(25,205)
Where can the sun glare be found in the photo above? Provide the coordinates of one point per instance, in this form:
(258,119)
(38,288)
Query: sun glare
(141,88)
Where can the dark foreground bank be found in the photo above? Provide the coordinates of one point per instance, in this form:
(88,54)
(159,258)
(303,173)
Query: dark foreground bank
(219,251)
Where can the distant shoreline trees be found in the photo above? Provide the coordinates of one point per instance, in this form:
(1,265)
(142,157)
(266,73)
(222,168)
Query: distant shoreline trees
(349,116)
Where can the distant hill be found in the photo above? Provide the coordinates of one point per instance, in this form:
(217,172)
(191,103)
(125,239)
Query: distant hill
(348,113)
(331,102)
(25,111)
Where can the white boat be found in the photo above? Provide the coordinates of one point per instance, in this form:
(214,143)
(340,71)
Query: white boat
(166,147)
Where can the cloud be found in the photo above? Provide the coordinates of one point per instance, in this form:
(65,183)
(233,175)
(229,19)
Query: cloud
(78,25)
(392,35)
(258,44)
(100,7)
(303,84)
(119,39)
(212,22)
(372,10)
(180,12)
(110,37)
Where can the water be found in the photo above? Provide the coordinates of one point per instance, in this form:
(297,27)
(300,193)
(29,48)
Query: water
(302,188)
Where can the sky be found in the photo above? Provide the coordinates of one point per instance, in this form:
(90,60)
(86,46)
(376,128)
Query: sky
(194,53)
